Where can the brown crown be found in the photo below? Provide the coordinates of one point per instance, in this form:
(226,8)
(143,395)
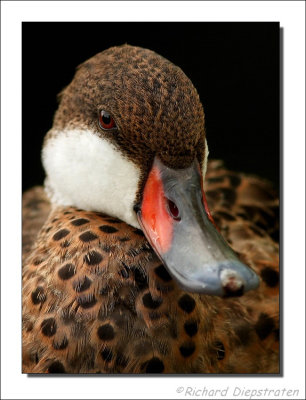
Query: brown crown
(155,106)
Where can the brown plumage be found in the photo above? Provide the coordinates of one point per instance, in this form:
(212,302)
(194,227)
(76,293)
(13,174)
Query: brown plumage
(140,89)
(96,298)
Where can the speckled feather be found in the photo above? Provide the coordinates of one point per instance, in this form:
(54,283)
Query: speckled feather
(148,96)
(96,298)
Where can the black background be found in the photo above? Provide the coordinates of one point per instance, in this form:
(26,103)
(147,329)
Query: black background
(234,66)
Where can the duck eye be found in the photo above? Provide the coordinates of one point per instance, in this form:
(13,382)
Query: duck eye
(173,210)
(106,121)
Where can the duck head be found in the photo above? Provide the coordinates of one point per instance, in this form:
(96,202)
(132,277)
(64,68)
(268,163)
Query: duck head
(128,140)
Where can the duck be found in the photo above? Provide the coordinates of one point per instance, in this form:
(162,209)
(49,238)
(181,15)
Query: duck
(140,256)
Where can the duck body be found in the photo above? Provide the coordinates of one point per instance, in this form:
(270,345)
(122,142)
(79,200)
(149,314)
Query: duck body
(97,295)
(98,300)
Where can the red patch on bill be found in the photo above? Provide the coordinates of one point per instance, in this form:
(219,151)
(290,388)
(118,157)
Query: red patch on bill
(155,218)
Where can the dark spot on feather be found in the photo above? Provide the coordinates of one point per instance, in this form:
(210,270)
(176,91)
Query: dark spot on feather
(154,366)
(220,350)
(228,194)
(60,345)
(264,326)
(149,302)
(106,248)
(136,251)
(29,326)
(65,244)
(250,310)
(213,194)
(88,236)
(106,332)
(102,215)
(162,273)
(104,291)
(243,331)
(48,327)
(108,229)
(60,234)
(124,272)
(81,284)
(187,349)
(235,180)
(270,276)
(242,215)
(113,221)
(34,357)
(275,235)
(276,334)
(56,368)
(187,303)
(145,248)
(107,354)
(251,211)
(139,232)
(38,261)
(67,212)
(217,179)
(38,295)
(191,328)
(79,222)
(156,82)
(67,315)
(87,301)
(257,231)
(66,272)
(140,279)
(93,258)
(121,360)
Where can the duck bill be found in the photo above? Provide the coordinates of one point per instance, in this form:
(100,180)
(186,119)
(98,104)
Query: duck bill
(176,221)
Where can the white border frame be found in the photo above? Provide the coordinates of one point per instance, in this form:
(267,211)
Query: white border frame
(290,14)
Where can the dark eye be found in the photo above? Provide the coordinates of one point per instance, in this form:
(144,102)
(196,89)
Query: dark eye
(173,210)
(106,121)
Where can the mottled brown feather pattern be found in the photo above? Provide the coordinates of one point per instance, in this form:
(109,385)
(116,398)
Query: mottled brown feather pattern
(149,97)
(35,210)
(96,299)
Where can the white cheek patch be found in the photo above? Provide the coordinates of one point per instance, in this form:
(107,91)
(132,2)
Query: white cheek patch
(88,172)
